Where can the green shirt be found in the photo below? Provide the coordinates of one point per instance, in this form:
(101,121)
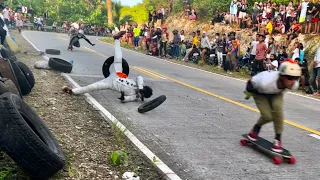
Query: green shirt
(136,32)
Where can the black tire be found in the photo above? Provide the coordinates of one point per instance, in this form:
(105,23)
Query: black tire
(5,53)
(6,85)
(109,61)
(148,106)
(53,51)
(60,65)
(27,73)
(22,80)
(27,140)
(13,58)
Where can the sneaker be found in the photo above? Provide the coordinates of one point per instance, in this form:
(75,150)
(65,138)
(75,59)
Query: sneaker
(253,136)
(277,146)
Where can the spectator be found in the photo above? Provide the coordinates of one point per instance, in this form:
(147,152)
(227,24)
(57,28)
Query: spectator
(219,49)
(164,39)
(296,51)
(136,34)
(310,10)
(271,64)
(6,16)
(233,11)
(304,73)
(205,46)
(195,45)
(3,32)
(176,42)
(269,26)
(232,48)
(316,73)
(243,11)
(261,52)
(253,49)
(193,15)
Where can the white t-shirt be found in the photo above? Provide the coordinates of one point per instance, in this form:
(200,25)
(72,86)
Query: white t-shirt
(295,54)
(304,7)
(276,64)
(182,37)
(266,82)
(317,57)
(5,13)
(254,47)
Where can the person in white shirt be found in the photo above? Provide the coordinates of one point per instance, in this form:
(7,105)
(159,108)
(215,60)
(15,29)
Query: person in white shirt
(253,48)
(130,89)
(267,89)
(272,64)
(316,73)
(205,45)
(5,13)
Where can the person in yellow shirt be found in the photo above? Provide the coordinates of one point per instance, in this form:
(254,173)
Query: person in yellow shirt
(269,26)
(136,34)
(195,44)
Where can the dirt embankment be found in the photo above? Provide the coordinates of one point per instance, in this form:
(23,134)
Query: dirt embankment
(86,138)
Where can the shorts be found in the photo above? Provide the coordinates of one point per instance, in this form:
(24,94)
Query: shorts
(232,58)
(19,23)
(302,19)
(309,18)
(242,14)
(294,35)
(314,20)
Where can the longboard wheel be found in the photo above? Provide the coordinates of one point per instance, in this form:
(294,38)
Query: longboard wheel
(243,142)
(276,160)
(292,160)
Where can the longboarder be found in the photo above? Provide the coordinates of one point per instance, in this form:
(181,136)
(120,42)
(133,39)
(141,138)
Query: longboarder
(74,40)
(267,89)
(130,89)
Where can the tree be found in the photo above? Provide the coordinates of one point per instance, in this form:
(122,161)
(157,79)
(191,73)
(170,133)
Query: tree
(109,6)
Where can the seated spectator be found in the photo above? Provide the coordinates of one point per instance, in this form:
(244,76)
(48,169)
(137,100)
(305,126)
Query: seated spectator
(269,26)
(154,50)
(271,64)
(293,32)
(193,15)
(246,22)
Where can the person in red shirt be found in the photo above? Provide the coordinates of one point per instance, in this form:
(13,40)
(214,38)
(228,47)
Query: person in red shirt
(261,53)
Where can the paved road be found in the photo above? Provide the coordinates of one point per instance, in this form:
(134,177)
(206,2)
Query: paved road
(196,132)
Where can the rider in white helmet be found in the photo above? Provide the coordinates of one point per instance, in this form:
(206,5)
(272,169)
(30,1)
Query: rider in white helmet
(267,89)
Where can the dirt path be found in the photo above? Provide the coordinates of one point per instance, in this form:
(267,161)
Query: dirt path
(86,138)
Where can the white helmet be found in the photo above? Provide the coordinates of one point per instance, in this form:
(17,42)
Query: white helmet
(290,68)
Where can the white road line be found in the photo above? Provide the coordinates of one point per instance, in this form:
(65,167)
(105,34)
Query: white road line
(168,173)
(242,80)
(83,75)
(105,113)
(315,136)
(149,72)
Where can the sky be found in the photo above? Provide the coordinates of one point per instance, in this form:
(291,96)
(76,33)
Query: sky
(130,2)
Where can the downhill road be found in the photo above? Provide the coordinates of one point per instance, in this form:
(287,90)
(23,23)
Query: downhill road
(196,131)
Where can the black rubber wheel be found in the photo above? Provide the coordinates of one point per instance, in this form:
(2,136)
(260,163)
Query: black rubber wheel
(27,72)
(13,58)
(27,140)
(53,51)
(6,85)
(107,64)
(5,53)
(60,65)
(148,106)
(25,87)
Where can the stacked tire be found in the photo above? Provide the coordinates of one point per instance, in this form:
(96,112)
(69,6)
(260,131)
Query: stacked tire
(23,134)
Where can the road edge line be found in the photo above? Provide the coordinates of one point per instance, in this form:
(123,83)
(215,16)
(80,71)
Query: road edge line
(242,80)
(109,117)
(168,173)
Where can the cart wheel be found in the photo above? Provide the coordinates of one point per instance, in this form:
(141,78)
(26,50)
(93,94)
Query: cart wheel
(277,160)
(243,142)
(292,160)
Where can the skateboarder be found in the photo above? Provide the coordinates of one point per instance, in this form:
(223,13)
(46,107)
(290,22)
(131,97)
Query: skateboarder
(130,89)
(74,40)
(267,89)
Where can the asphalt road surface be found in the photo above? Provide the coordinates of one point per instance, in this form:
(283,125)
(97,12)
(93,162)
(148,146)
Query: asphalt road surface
(196,131)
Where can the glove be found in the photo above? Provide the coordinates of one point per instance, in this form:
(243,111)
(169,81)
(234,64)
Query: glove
(248,95)
(93,44)
(122,96)
(141,94)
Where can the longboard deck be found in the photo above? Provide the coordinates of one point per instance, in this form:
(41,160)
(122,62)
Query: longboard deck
(266,146)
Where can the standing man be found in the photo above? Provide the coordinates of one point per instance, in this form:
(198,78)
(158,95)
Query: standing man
(261,54)
(19,23)
(205,46)
(163,42)
(136,34)
(219,49)
(3,32)
(232,48)
(6,17)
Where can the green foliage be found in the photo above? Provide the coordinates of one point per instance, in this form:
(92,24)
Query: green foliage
(118,158)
